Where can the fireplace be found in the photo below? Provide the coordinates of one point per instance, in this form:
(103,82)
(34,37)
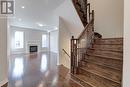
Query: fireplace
(33,49)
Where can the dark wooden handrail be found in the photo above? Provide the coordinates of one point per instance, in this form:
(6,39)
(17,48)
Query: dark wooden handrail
(66,52)
(86,28)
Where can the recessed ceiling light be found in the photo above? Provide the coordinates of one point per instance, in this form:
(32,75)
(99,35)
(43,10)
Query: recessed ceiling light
(20,19)
(22,6)
(8,26)
(56,28)
(40,24)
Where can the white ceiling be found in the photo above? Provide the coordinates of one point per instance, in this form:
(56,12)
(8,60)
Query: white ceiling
(31,13)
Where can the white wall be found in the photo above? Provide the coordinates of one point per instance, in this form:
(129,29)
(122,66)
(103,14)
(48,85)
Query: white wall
(68,13)
(30,36)
(54,41)
(108,17)
(126,68)
(3,51)
(64,43)
(69,24)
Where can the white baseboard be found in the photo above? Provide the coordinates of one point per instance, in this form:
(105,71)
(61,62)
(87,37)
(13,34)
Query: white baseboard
(3,82)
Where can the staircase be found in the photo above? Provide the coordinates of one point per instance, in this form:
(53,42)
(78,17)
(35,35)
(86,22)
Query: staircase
(95,61)
(102,65)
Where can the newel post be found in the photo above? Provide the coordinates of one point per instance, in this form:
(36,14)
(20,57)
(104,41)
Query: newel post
(93,20)
(74,59)
(72,55)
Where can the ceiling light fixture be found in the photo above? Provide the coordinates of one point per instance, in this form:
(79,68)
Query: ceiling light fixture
(41,25)
(20,19)
(22,6)
(56,28)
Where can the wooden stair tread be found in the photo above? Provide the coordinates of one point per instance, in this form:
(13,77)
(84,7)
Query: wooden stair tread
(107,57)
(108,47)
(111,38)
(115,64)
(83,79)
(114,50)
(109,41)
(106,50)
(104,72)
(107,54)
(104,65)
(95,82)
(109,44)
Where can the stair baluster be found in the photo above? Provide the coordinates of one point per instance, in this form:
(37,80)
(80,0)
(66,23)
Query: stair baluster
(79,46)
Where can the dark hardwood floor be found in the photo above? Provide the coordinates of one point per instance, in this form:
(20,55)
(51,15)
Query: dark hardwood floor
(5,85)
(38,70)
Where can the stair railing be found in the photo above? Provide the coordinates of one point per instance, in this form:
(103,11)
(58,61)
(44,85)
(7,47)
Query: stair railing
(79,46)
(66,53)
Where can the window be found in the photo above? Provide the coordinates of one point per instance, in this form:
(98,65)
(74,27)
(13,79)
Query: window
(44,40)
(19,39)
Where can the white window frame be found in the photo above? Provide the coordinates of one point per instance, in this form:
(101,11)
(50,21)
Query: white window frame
(44,41)
(21,43)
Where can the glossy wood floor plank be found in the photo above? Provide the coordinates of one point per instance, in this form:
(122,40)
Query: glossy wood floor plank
(38,70)
(5,85)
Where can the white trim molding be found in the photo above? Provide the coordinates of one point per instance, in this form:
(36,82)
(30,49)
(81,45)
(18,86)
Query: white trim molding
(3,82)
